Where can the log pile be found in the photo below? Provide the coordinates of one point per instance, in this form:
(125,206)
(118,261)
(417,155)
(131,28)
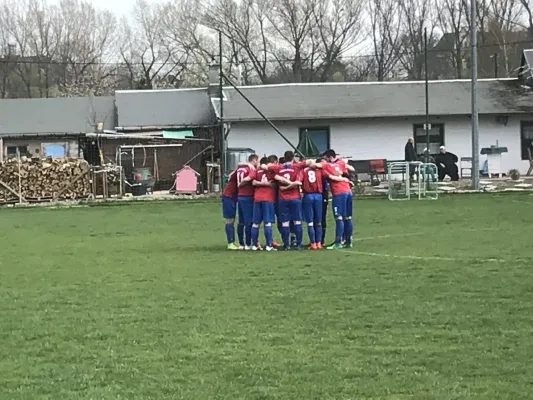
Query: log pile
(41,179)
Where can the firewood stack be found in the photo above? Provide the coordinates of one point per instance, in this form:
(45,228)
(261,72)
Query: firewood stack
(42,179)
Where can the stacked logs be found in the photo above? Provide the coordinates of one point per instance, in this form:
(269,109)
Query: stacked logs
(41,179)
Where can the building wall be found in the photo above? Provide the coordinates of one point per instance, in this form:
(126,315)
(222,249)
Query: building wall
(57,115)
(386,138)
(35,149)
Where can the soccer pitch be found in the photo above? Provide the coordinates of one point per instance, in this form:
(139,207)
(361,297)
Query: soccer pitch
(142,301)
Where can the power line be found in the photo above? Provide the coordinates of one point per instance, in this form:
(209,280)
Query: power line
(16,60)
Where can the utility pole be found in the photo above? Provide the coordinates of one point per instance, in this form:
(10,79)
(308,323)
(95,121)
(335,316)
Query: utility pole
(475,118)
(221,119)
(426,126)
(495,56)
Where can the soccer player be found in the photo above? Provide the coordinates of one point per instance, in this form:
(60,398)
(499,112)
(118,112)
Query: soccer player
(229,209)
(273,159)
(325,204)
(290,202)
(312,203)
(341,192)
(264,199)
(245,202)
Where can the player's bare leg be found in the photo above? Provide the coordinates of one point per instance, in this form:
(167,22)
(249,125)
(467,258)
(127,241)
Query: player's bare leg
(230,234)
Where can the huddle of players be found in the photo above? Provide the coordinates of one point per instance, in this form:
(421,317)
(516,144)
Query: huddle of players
(261,190)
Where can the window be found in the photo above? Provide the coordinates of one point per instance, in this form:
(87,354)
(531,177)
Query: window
(16,151)
(436,138)
(54,149)
(526,138)
(319,136)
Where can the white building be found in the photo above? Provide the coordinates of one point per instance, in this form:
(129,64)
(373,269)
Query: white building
(373,120)
(362,120)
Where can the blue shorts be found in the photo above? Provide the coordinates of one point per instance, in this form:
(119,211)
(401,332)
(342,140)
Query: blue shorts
(290,210)
(263,212)
(229,207)
(342,205)
(312,207)
(245,205)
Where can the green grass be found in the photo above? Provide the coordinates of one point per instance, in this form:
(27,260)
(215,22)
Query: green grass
(142,302)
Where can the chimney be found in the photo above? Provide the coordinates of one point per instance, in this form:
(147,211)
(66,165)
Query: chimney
(239,74)
(214,80)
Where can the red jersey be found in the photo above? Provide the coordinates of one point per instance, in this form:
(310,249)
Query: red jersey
(311,180)
(290,172)
(241,173)
(231,187)
(264,193)
(334,168)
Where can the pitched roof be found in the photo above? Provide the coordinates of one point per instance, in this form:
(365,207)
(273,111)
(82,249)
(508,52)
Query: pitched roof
(374,99)
(167,107)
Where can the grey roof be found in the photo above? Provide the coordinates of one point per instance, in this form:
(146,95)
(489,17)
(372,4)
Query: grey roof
(170,107)
(56,115)
(374,99)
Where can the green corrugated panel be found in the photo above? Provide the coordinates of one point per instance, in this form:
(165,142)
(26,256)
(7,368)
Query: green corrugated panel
(177,134)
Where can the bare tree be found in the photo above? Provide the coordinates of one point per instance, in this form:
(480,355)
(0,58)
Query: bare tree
(291,21)
(245,27)
(19,25)
(416,15)
(336,31)
(503,18)
(528,11)
(451,15)
(385,32)
(193,49)
(86,36)
(151,58)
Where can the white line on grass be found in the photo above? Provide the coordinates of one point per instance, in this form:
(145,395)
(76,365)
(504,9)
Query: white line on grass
(428,258)
(417,234)
(523,201)
(385,255)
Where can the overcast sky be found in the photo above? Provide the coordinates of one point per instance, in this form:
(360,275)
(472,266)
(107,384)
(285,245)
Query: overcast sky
(118,7)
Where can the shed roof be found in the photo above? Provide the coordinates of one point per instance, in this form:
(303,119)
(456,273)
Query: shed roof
(167,107)
(374,99)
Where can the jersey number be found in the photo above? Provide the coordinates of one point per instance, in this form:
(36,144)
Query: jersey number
(264,179)
(311,176)
(240,177)
(287,176)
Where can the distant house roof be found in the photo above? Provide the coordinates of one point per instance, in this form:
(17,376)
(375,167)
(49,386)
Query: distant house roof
(373,99)
(169,107)
(56,115)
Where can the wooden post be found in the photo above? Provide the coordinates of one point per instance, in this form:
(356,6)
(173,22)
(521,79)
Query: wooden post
(104,185)
(20,184)
(121,182)
(1,150)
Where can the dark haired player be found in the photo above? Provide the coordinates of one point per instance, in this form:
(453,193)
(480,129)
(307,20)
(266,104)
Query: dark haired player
(312,203)
(290,202)
(245,202)
(264,199)
(341,192)
(229,209)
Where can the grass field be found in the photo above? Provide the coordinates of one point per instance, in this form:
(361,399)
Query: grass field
(142,301)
